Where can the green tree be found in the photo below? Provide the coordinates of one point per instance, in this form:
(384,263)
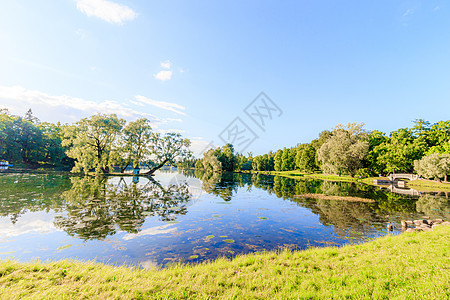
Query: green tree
(278,160)
(433,166)
(399,151)
(53,151)
(226,156)
(288,159)
(91,142)
(375,139)
(166,149)
(134,144)
(305,158)
(210,162)
(345,150)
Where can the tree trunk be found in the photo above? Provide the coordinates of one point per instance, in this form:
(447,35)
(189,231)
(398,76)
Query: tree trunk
(150,172)
(122,170)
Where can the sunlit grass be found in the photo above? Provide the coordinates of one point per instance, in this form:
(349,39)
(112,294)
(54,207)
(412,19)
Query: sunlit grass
(408,266)
(425,185)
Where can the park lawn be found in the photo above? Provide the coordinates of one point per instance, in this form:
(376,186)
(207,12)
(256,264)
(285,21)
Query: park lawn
(406,266)
(426,185)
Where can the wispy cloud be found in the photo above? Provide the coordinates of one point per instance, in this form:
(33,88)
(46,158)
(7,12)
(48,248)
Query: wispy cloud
(163,229)
(408,12)
(176,108)
(166,64)
(163,75)
(106,10)
(164,131)
(136,103)
(64,108)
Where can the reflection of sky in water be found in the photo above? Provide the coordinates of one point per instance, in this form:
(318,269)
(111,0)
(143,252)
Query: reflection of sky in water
(254,220)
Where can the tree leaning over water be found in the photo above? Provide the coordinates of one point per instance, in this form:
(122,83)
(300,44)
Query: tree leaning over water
(100,141)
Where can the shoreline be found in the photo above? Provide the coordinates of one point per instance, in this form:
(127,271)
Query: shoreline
(409,265)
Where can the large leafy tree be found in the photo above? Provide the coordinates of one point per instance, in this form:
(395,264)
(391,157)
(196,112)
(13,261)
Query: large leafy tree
(227,157)
(345,150)
(433,166)
(305,158)
(278,160)
(288,159)
(133,144)
(210,163)
(166,149)
(53,152)
(375,139)
(398,152)
(91,142)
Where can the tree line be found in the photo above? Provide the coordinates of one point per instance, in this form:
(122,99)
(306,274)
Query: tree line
(93,144)
(350,150)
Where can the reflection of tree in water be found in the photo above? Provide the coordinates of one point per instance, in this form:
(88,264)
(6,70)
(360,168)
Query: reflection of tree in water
(94,207)
(432,205)
(348,218)
(221,185)
(21,193)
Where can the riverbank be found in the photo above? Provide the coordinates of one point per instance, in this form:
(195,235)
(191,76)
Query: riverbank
(421,185)
(406,266)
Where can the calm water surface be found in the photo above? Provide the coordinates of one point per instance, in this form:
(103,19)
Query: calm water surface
(190,217)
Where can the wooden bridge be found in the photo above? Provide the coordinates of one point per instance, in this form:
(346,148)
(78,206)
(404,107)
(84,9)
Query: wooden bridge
(411,177)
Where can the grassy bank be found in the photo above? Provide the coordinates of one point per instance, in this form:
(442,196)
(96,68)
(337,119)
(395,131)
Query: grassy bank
(427,185)
(408,266)
(420,185)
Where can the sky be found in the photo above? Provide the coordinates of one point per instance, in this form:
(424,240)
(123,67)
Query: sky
(199,67)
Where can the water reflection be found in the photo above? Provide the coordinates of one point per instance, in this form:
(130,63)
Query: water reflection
(94,206)
(175,217)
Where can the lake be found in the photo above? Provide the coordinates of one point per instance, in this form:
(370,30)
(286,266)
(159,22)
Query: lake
(191,216)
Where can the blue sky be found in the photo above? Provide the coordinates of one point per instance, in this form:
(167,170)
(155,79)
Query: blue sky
(194,66)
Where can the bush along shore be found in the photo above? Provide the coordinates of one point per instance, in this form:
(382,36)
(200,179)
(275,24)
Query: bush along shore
(407,266)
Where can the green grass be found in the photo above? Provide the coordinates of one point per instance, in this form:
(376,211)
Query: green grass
(425,185)
(420,185)
(408,266)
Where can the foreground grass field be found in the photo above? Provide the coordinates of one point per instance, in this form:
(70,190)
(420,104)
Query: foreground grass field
(408,266)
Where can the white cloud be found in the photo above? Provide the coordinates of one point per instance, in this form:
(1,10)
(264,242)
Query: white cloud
(36,222)
(163,229)
(408,12)
(176,108)
(174,120)
(166,64)
(163,75)
(164,131)
(63,108)
(136,103)
(106,10)
(199,146)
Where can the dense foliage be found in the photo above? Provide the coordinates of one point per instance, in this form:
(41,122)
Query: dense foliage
(97,143)
(352,150)
(29,141)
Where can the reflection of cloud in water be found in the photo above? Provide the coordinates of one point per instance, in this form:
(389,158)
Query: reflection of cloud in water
(29,223)
(194,184)
(149,265)
(151,231)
